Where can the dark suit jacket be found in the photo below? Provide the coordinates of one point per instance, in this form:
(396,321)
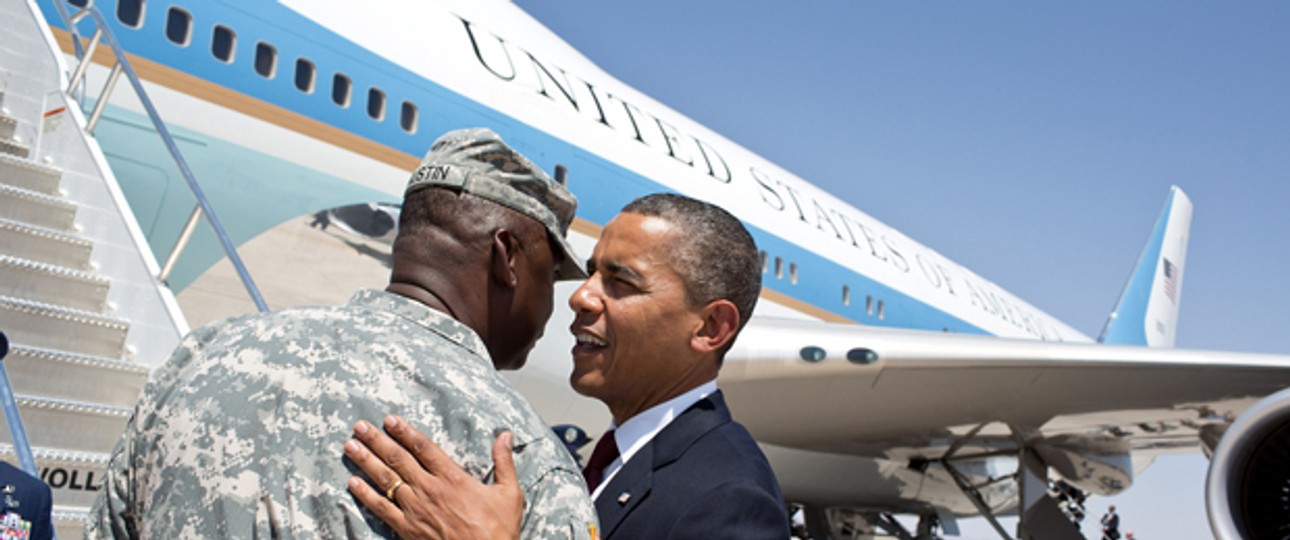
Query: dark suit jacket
(25,500)
(702,477)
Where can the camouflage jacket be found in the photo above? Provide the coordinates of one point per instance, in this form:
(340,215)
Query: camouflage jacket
(240,433)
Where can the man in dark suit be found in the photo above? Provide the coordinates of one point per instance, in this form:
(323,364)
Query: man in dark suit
(672,282)
(1110,524)
(25,505)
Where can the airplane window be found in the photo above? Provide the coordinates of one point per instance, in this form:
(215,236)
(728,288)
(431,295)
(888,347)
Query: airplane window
(340,89)
(179,26)
(130,12)
(408,117)
(868,304)
(882,313)
(792,273)
(223,43)
(305,75)
(846,295)
(779,268)
(376,103)
(266,60)
(765,263)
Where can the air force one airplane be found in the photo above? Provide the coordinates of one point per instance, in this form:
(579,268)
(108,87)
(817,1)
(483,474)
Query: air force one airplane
(880,377)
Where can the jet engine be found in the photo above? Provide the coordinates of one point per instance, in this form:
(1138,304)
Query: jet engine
(1247,491)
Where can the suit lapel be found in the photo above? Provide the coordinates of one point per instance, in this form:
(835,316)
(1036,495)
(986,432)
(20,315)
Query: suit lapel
(635,480)
(704,416)
(626,490)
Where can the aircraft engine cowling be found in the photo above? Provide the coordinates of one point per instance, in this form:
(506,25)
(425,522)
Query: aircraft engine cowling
(1247,491)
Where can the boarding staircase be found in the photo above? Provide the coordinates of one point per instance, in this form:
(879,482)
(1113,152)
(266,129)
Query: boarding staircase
(80,302)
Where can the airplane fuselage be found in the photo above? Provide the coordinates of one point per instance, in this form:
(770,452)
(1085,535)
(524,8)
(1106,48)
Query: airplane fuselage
(286,109)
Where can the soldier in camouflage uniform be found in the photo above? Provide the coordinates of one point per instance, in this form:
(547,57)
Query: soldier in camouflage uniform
(238,435)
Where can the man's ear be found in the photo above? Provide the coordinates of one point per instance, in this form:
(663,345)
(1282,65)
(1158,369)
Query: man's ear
(502,261)
(720,324)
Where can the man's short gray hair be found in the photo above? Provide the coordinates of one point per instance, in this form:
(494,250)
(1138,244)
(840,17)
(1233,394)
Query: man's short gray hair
(715,255)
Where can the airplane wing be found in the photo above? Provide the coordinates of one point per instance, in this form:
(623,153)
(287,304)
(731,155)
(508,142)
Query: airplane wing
(913,395)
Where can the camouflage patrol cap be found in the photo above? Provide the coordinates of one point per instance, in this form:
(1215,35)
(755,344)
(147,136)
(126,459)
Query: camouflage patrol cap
(476,161)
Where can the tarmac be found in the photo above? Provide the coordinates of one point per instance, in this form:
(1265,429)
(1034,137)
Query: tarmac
(292,264)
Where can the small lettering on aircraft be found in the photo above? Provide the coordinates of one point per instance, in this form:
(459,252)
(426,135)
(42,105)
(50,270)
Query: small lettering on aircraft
(72,479)
(603,107)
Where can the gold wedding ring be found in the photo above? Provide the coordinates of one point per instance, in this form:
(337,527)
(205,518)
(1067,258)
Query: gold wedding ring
(389,493)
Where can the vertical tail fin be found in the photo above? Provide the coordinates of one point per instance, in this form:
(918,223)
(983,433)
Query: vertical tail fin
(1147,313)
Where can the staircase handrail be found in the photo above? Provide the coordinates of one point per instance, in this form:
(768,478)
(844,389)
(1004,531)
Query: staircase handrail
(203,208)
(17,433)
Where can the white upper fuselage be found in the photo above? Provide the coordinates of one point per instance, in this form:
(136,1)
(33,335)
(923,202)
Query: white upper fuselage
(495,54)
(258,137)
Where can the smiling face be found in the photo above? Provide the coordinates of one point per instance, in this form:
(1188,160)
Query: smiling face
(638,338)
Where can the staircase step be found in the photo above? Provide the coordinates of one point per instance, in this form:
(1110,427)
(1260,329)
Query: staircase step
(53,327)
(69,425)
(50,284)
(28,174)
(75,478)
(14,148)
(58,374)
(44,245)
(35,208)
(8,125)
(70,522)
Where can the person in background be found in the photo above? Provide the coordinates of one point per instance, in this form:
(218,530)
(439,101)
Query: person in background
(25,505)
(1110,524)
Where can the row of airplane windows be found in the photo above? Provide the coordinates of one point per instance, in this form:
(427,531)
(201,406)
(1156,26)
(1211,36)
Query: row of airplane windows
(779,267)
(179,30)
(872,307)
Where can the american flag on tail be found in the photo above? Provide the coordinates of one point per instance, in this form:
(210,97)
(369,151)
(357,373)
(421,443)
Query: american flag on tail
(1171,280)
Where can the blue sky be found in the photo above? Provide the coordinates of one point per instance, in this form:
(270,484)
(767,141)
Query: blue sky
(1033,142)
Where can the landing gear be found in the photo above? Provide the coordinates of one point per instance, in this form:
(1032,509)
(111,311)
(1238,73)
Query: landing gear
(1043,513)
(999,470)
(846,524)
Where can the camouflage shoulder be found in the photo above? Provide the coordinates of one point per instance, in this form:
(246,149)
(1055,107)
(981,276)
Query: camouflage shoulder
(558,507)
